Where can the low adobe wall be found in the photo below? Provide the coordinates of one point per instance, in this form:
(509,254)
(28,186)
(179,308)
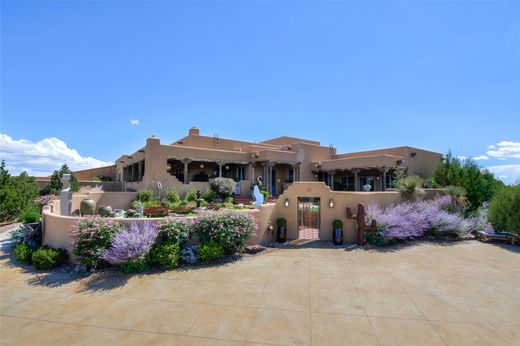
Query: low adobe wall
(342,200)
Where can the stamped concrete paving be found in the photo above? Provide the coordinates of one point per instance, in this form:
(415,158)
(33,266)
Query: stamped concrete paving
(457,294)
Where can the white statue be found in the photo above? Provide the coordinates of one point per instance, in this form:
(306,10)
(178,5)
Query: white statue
(65,195)
(259,197)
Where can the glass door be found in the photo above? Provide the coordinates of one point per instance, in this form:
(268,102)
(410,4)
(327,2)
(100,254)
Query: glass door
(308,218)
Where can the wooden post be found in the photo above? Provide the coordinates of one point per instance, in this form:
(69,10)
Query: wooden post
(362,227)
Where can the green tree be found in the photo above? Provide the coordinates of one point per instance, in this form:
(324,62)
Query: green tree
(17,193)
(55,185)
(504,209)
(480,184)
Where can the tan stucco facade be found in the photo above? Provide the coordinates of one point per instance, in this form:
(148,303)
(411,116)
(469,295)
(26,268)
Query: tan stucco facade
(193,159)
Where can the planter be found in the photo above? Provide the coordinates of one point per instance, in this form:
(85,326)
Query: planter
(34,225)
(105,210)
(281,234)
(117,213)
(87,207)
(337,236)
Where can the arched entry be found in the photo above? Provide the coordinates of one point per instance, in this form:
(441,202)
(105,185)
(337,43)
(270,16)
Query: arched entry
(308,218)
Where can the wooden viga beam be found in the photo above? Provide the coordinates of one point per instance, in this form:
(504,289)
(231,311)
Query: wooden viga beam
(362,226)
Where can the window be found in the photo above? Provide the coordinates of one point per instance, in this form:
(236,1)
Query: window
(240,173)
(290,176)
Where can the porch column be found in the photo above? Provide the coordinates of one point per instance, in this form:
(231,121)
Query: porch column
(139,170)
(356,179)
(270,178)
(385,170)
(186,173)
(332,180)
(251,174)
(220,163)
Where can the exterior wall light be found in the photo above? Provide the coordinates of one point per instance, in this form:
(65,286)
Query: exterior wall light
(331,203)
(201,165)
(286,202)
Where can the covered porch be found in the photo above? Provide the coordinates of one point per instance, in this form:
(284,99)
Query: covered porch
(277,176)
(376,173)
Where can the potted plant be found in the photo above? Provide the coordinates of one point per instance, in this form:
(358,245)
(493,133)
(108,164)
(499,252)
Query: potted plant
(337,232)
(281,232)
(105,210)
(31,217)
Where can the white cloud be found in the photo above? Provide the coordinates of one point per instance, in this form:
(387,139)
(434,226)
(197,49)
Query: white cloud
(481,157)
(509,174)
(43,157)
(506,150)
(491,146)
(134,122)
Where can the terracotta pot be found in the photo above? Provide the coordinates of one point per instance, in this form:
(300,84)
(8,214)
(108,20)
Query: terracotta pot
(87,207)
(105,210)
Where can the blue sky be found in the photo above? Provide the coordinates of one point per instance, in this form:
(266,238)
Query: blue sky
(358,75)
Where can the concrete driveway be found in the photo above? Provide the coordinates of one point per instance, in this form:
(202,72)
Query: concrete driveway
(464,293)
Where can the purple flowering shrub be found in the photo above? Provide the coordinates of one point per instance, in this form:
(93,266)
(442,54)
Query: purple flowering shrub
(230,229)
(44,200)
(91,236)
(132,243)
(411,220)
(176,231)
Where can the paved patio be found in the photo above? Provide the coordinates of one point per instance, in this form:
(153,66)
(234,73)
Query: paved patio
(464,293)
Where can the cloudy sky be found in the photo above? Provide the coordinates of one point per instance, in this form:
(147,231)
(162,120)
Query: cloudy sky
(84,82)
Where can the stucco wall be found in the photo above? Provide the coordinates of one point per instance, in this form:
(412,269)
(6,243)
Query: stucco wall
(341,199)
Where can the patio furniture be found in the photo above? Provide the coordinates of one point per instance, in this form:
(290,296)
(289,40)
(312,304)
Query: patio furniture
(507,237)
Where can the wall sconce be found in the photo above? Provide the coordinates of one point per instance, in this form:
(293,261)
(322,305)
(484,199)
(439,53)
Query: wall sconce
(377,178)
(286,202)
(331,203)
(227,167)
(201,165)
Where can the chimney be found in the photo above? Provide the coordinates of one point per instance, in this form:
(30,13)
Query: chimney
(194,131)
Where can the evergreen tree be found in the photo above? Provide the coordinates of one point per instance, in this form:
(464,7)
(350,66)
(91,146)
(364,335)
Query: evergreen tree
(16,194)
(55,185)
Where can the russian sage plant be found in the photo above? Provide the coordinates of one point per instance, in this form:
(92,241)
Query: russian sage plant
(132,243)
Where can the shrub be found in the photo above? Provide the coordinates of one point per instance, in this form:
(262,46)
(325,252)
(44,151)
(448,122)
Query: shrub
(44,200)
(230,229)
(182,209)
(210,251)
(167,255)
(189,254)
(21,234)
(223,187)
(376,237)
(479,183)
(504,209)
(130,246)
(23,253)
(410,220)
(47,257)
(16,193)
(145,195)
(31,214)
(176,231)
(209,195)
(91,237)
(281,222)
(228,200)
(190,195)
(337,224)
(172,195)
(135,266)
(410,187)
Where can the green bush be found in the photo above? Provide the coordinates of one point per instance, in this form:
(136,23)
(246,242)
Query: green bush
(228,200)
(479,183)
(145,195)
(410,187)
(47,258)
(16,193)
(281,222)
(176,231)
(190,195)
(504,209)
(172,195)
(210,251)
(135,266)
(167,255)
(55,185)
(31,214)
(376,237)
(90,237)
(23,253)
(223,187)
(209,195)
(337,224)
(133,205)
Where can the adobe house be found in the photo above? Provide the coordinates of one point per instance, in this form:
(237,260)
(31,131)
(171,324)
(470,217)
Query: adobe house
(192,160)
